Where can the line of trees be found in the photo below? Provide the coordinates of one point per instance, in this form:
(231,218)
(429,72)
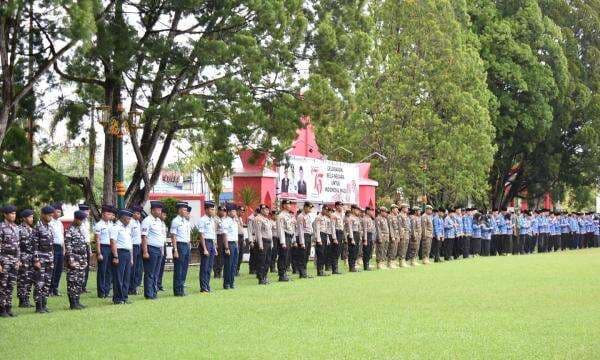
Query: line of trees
(469,100)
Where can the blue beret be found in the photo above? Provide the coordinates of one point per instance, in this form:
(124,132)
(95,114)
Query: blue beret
(125,212)
(156,205)
(26,213)
(181,204)
(231,207)
(209,204)
(57,206)
(107,208)
(9,209)
(80,215)
(47,210)
(84,207)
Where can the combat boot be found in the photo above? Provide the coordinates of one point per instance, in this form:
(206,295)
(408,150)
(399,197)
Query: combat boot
(79,304)
(3,312)
(23,302)
(39,307)
(9,312)
(72,305)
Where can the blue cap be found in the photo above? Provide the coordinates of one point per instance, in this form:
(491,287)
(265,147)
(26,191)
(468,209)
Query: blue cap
(125,212)
(26,213)
(209,204)
(9,209)
(80,215)
(137,208)
(231,207)
(156,205)
(84,207)
(181,204)
(46,210)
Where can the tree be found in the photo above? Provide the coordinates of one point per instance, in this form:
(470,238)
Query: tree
(421,100)
(21,22)
(528,73)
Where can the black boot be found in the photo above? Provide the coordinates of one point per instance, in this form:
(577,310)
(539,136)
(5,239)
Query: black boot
(3,312)
(284,278)
(78,303)
(27,303)
(72,305)
(9,312)
(39,308)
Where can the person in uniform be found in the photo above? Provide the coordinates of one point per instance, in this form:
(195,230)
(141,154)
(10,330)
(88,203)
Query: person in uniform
(404,234)
(476,234)
(286,228)
(524,227)
(415,236)
(135,227)
(207,228)
(395,234)
(43,241)
(449,234)
(122,257)
(427,229)
(229,228)
(273,253)
(180,239)
(495,233)
(102,231)
(565,231)
(337,247)
(154,233)
(88,239)
(26,272)
(239,220)
(467,222)
(305,236)
(76,248)
(323,230)
(218,263)
(9,259)
(369,236)
(486,234)
(58,248)
(353,230)
(438,233)
(264,238)
(163,260)
(251,247)
(382,226)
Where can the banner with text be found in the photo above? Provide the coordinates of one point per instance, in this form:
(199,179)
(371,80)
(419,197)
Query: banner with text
(318,181)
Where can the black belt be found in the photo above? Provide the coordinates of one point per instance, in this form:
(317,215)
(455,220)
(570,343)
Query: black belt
(45,248)
(10,252)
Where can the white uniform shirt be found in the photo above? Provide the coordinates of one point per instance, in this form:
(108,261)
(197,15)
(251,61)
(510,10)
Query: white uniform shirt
(229,227)
(208,227)
(85,225)
(155,230)
(181,228)
(102,230)
(121,235)
(58,230)
(136,231)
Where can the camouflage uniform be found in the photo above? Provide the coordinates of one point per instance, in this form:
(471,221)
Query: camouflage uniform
(383,238)
(392,252)
(26,271)
(415,239)
(427,227)
(43,240)
(9,259)
(76,255)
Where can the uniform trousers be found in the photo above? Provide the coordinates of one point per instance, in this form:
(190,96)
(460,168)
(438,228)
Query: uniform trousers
(151,271)
(8,277)
(353,249)
(436,248)
(475,245)
(273,255)
(264,260)
(448,248)
(121,276)
(180,268)
(104,272)
(368,250)
(240,258)
(59,260)
(43,276)
(136,270)
(282,255)
(320,246)
(206,265)
(230,265)
(565,240)
(466,246)
(485,246)
(25,276)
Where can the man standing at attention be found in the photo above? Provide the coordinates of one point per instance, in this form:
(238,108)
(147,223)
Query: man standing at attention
(180,239)
(208,235)
(154,233)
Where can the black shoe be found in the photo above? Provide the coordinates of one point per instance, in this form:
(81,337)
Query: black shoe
(79,304)
(284,279)
(72,303)
(118,303)
(3,312)
(336,272)
(38,307)
(22,302)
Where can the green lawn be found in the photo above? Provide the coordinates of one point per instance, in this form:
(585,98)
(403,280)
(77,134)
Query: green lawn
(537,306)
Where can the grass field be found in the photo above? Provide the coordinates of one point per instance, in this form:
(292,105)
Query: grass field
(537,306)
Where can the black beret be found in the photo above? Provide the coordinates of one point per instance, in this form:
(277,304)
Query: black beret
(84,207)
(209,204)
(156,205)
(80,215)
(46,210)
(125,212)
(26,213)
(181,204)
(9,209)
